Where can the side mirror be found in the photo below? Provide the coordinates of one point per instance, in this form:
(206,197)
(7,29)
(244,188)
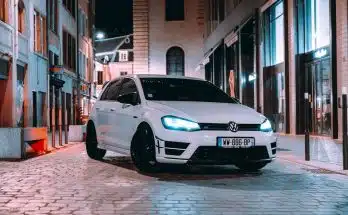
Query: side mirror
(130,98)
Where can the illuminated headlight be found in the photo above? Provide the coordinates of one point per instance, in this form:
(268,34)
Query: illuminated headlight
(179,124)
(266,126)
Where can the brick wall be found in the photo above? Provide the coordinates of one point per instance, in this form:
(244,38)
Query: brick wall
(141,36)
(186,34)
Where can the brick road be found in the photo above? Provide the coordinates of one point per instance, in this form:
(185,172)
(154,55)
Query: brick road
(67,182)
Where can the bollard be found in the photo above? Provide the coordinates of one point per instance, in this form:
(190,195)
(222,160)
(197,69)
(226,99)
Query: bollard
(344,129)
(66,127)
(306,119)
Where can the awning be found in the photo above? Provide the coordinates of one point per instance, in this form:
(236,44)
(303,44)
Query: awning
(206,59)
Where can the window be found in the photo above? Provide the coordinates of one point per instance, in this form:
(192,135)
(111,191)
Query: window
(123,56)
(70,5)
(53,59)
(274,35)
(215,13)
(100,77)
(4,8)
(4,69)
(175,10)
(21,16)
(69,51)
(53,15)
(313,25)
(175,61)
(128,87)
(111,92)
(40,45)
(175,89)
(123,73)
(83,23)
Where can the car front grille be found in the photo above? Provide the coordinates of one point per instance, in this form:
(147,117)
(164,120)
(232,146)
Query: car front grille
(215,155)
(224,127)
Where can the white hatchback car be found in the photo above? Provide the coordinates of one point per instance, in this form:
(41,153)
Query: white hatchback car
(179,120)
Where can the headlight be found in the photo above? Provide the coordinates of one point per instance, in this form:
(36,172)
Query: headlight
(266,126)
(179,124)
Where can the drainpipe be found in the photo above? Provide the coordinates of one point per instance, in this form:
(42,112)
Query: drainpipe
(78,66)
(48,71)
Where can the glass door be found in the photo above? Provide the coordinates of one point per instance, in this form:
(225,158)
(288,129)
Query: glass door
(319,86)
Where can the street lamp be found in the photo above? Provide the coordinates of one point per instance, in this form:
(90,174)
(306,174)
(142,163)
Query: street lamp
(100,35)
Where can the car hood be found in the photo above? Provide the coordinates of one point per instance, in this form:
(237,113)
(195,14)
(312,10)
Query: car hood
(207,112)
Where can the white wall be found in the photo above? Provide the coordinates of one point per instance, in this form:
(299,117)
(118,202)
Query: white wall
(115,69)
(186,34)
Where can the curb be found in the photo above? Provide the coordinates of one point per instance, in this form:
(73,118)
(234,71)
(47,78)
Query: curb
(314,164)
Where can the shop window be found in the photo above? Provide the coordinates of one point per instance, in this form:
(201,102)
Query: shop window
(69,51)
(4,9)
(39,112)
(40,45)
(53,15)
(175,61)
(20,96)
(21,16)
(175,10)
(273,32)
(313,24)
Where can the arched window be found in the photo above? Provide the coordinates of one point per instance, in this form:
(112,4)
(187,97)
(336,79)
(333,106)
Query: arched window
(175,61)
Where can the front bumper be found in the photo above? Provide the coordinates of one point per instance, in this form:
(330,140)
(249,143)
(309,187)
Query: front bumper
(200,147)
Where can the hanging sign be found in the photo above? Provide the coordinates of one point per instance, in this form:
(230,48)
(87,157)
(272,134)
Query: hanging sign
(231,39)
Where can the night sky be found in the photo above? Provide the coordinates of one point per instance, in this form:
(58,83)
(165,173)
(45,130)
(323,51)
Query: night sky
(114,17)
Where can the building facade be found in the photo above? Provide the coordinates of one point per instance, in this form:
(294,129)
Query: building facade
(71,57)
(116,55)
(168,37)
(268,54)
(39,79)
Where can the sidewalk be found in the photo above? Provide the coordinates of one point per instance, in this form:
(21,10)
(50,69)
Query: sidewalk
(325,153)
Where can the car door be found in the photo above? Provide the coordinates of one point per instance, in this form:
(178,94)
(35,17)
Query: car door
(111,107)
(128,115)
(101,115)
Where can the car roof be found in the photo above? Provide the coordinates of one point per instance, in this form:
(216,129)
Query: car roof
(157,76)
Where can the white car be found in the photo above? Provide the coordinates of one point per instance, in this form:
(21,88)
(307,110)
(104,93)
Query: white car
(177,120)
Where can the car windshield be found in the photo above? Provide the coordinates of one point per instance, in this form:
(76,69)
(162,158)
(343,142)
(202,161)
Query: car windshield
(174,89)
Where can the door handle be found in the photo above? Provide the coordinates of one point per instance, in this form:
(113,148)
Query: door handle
(97,108)
(112,109)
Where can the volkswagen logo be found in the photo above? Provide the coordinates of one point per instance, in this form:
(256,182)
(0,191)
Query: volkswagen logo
(232,126)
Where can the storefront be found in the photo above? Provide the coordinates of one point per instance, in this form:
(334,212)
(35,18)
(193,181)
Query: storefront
(273,70)
(314,71)
(232,65)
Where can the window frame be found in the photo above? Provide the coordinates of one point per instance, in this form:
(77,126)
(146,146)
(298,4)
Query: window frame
(41,39)
(69,57)
(173,49)
(4,14)
(70,6)
(123,56)
(53,16)
(21,17)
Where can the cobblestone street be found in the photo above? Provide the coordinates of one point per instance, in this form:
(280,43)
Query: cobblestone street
(68,182)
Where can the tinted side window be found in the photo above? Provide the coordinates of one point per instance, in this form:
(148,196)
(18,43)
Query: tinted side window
(128,86)
(113,90)
(105,93)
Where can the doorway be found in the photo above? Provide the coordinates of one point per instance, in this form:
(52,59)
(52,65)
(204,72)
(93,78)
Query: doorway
(318,76)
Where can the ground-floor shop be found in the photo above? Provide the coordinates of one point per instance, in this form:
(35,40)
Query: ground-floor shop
(281,40)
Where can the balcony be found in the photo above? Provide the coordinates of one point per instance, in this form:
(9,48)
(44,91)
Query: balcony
(23,47)
(5,38)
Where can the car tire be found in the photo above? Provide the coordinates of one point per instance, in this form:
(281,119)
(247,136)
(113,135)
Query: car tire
(248,166)
(92,144)
(143,150)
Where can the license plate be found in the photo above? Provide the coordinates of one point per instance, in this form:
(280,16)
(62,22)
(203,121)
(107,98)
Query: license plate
(236,142)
